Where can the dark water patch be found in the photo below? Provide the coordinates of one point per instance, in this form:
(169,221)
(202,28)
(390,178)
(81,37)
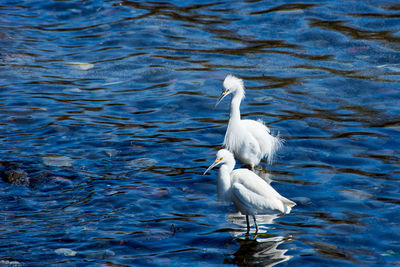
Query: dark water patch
(286,8)
(352,32)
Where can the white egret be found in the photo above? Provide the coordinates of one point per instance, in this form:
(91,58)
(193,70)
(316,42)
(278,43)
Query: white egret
(248,140)
(249,193)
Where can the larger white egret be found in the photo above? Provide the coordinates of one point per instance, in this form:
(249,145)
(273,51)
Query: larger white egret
(249,193)
(248,140)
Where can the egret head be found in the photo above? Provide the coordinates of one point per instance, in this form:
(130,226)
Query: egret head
(232,85)
(223,156)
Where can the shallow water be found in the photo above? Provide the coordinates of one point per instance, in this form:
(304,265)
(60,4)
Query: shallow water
(109,110)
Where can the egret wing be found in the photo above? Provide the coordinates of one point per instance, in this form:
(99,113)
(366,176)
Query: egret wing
(257,125)
(241,142)
(249,202)
(258,192)
(268,144)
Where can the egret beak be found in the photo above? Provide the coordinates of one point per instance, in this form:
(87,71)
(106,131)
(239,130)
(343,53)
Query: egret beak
(216,162)
(224,93)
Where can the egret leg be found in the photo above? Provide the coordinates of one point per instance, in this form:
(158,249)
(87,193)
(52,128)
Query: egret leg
(248,224)
(255,223)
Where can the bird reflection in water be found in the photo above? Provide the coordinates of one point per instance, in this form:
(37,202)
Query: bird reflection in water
(260,249)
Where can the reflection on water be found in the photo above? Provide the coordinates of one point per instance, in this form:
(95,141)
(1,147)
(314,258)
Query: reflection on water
(258,252)
(259,249)
(108,122)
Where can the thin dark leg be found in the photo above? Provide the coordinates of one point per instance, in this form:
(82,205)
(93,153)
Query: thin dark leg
(248,224)
(255,223)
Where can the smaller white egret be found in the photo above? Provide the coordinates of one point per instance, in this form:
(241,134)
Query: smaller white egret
(248,140)
(249,193)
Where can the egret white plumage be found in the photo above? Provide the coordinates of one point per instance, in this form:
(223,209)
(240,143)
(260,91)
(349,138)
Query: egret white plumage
(249,193)
(248,140)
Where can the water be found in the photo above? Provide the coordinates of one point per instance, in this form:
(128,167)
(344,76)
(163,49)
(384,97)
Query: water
(107,109)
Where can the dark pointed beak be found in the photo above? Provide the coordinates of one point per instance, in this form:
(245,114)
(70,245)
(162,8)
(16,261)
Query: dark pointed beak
(216,162)
(224,93)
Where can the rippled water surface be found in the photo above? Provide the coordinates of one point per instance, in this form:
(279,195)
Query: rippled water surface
(107,114)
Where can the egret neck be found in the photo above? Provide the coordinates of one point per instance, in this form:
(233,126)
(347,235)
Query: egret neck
(224,181)
(235,106)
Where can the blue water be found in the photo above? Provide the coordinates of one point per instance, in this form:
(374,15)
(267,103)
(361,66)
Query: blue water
(108,107)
